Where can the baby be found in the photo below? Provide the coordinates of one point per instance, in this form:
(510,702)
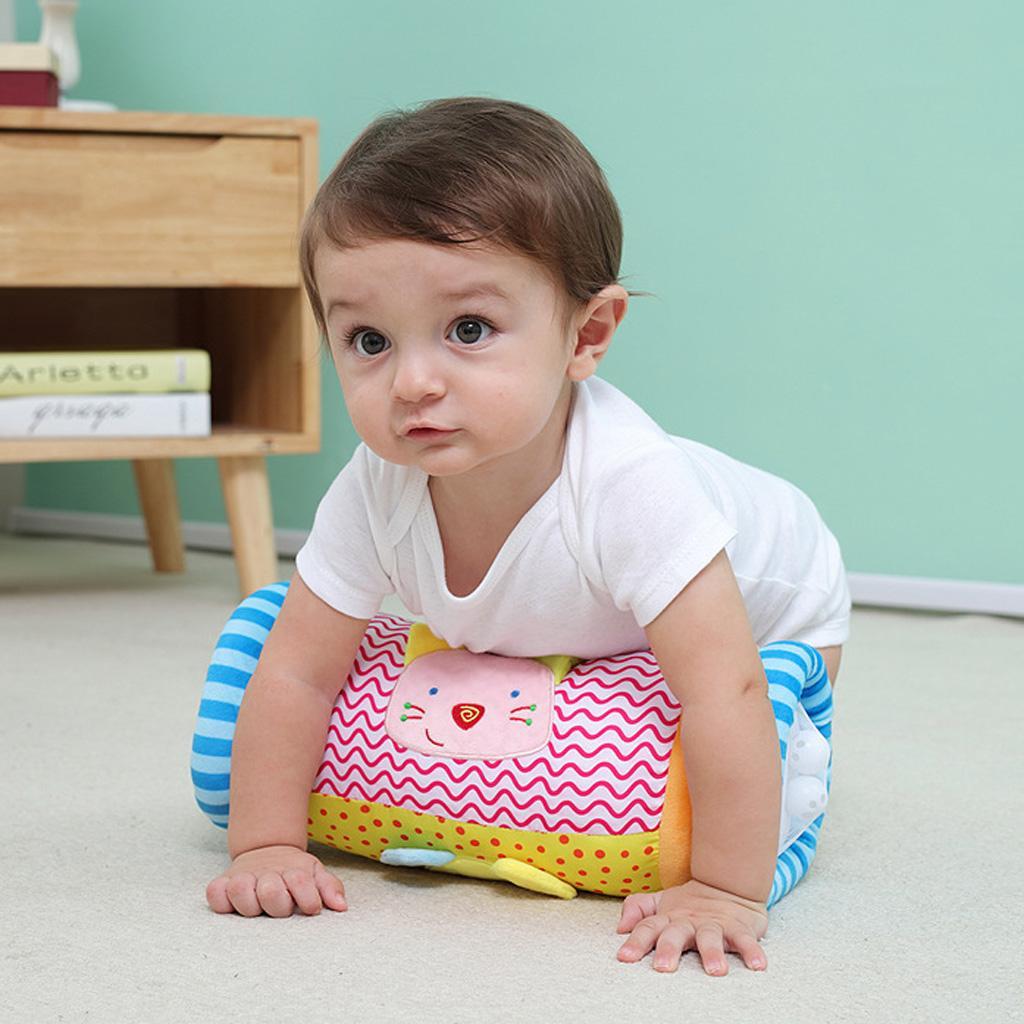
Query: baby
(462,262)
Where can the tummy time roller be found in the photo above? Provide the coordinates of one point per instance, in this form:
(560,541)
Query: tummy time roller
(554,774)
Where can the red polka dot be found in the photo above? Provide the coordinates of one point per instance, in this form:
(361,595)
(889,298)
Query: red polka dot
(625,892)
(628,881)
(480,856)
(646,888)
(540,849)
(560,860)
(604,881)
(582,872)
(343,815)
(625,854)
(440,821)
(366,842)
(577,853)
(419,831)
(636,867)
(529,860)
(604,871)
(323,812)
(648,875)
(377,823)
(519,846)
(309,821)
(365,809)
(563,839)
(474,842)
(429,843)
(362,828)
(461,831)
(439,835)
(405,838)
(561,874)
(495,842)
(459,846)
(648,850)
(599,854)
(397,824)
(333,827)
(500,856)
(384,841)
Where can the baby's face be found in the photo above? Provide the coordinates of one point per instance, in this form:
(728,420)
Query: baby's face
(436,371)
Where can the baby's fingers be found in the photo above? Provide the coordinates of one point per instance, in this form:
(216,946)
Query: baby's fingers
(303,890)
(750,950)
(273,895)
(710,945)
(330,887)
(217,896)
(635,908)
(241,893)
(642,941)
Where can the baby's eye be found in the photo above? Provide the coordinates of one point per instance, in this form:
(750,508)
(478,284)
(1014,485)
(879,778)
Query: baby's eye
(367,342)
(469,330)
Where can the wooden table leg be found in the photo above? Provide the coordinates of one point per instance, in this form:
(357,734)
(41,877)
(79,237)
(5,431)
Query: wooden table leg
(247,501)
(158,496)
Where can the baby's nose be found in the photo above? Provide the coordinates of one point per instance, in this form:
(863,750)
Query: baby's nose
(416,378)
(467,715)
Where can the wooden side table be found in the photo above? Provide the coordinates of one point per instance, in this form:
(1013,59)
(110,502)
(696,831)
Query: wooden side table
(139,230)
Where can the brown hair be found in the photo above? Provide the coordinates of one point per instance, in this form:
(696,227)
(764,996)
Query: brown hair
(472,169)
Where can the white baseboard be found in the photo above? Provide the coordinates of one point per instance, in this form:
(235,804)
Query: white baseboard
(910,592)
(132,530)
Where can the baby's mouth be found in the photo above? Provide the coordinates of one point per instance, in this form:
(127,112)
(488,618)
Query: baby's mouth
(428,434)
(432,740)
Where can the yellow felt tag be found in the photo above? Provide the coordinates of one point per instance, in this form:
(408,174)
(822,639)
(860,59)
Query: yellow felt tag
(422,641)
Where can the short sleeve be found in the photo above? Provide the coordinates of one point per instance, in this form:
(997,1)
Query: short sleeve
(341,558)
(652,524)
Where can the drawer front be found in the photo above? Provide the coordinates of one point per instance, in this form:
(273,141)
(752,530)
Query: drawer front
(83,208)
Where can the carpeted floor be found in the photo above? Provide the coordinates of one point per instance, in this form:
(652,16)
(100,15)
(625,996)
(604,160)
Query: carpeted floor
(909,913)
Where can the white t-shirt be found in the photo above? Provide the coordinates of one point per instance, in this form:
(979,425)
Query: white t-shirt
(634,515)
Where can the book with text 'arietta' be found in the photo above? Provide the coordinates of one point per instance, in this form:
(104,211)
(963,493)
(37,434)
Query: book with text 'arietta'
(152,371)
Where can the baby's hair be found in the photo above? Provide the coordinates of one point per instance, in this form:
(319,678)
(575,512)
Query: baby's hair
(473,170)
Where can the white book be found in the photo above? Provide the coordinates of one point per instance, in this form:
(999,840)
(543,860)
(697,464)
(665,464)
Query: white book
(185,414)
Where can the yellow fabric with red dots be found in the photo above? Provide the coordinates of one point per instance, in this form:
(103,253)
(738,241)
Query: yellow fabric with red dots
(616,865)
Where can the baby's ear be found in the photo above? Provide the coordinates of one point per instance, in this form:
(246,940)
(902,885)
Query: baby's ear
(594,329)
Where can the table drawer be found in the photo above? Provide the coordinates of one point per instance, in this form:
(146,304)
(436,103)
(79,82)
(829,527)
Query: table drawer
(109,209)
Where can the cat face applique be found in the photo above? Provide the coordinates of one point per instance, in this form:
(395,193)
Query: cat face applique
(454,703)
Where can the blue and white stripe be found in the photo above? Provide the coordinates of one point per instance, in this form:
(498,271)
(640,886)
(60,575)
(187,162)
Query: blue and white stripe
(797,674)
(234,660)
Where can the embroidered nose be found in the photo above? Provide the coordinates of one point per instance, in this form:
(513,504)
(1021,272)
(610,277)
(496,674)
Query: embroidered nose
(467,715)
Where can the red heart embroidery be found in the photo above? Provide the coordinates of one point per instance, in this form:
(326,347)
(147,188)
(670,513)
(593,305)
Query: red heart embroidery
(467,715)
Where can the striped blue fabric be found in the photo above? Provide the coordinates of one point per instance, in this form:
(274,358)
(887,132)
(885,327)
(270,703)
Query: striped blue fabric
(231,667)
(796,674)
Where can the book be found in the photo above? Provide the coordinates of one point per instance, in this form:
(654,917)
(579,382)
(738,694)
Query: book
(76,373)
(28,75)
(111,415)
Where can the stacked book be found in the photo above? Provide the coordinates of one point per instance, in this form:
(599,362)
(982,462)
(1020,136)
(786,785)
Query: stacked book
(156,393)
(28,75)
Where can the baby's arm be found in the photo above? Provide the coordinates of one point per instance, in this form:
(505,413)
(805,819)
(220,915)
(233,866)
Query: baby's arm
(706,650)
(278,744)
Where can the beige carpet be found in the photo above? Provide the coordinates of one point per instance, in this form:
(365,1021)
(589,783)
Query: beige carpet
(910,912)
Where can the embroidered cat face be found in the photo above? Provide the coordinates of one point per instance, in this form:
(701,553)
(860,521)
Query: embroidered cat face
(459,704)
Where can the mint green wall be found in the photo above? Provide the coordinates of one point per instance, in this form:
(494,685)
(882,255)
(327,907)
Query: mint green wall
(825,197)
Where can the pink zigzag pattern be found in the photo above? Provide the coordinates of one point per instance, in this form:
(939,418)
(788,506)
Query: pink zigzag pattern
(626,766)
(542,768)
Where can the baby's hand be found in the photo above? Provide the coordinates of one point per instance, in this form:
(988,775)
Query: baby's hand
(693,916)
(275,880)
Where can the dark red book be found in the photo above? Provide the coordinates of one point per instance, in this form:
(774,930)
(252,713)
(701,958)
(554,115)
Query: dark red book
(28,76)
